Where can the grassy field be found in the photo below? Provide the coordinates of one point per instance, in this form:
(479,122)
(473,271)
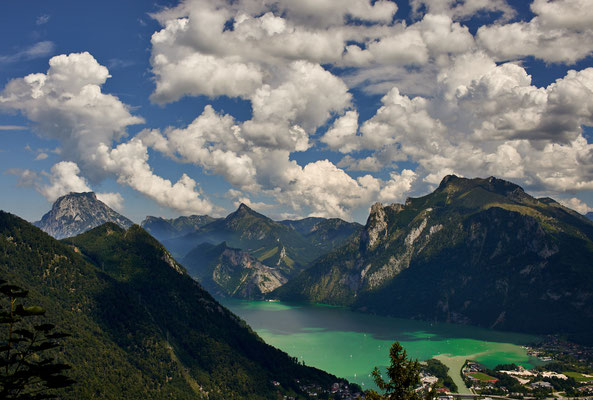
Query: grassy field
(264,256)
(578,377)
(482,377)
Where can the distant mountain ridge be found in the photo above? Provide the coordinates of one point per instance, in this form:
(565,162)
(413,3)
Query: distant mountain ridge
(141,327)
(324,233)
(76,213)
(163,229)
(475,251)
(276,244)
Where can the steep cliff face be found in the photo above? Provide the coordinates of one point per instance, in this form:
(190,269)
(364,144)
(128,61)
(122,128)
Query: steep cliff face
(476,251)
(76,213)
(231,272)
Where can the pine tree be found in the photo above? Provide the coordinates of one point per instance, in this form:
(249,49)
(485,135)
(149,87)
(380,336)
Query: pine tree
(403,375)
(26,372)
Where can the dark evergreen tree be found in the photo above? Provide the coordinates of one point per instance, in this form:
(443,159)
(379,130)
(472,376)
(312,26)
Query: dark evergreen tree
(404,376)
(26,371)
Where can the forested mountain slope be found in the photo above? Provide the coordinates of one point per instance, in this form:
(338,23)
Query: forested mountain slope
(475,251)
(142,327)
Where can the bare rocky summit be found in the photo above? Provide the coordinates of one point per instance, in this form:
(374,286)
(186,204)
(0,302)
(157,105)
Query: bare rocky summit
(76,213)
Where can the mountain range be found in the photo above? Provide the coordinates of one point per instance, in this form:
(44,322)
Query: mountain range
(141,327)
(163,229)
(475,251)
(229,271)
(287,246)
(257,256)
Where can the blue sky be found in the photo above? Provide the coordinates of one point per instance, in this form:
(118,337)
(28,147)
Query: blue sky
(296,108)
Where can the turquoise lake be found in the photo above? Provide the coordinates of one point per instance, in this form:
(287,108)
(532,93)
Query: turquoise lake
(350,344)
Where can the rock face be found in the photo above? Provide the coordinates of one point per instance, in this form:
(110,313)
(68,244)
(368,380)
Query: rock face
(231,272)
(76,213)
(475,251)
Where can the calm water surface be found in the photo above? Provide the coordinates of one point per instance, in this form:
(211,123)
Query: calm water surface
(350,344)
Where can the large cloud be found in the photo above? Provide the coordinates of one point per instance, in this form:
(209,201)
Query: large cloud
(216,143)
(63,178)
(238,46)
(451,101)
(488,119)
(449,105)
(67,104)
(129,162)
(561,31)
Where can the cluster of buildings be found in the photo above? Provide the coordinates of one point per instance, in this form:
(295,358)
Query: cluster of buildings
(426,382)
(553,345)
(339,390)
(473,372)
(344,392)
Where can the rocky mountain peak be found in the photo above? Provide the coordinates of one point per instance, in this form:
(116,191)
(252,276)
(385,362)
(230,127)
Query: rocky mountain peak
(376,208)
(76,213)
(505,188)
(244,211)
(376,225)
(448,179)
(455,184)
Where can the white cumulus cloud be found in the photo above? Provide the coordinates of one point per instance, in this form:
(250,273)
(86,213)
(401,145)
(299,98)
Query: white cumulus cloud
(576,204)
(67,104)
(449,104)
(561,31)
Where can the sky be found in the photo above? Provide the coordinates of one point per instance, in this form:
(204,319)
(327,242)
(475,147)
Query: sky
(295,108)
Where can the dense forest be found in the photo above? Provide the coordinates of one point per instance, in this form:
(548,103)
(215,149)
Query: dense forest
(141,326)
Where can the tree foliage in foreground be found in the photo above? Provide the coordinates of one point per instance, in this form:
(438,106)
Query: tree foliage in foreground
(403,375)
(26,372)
